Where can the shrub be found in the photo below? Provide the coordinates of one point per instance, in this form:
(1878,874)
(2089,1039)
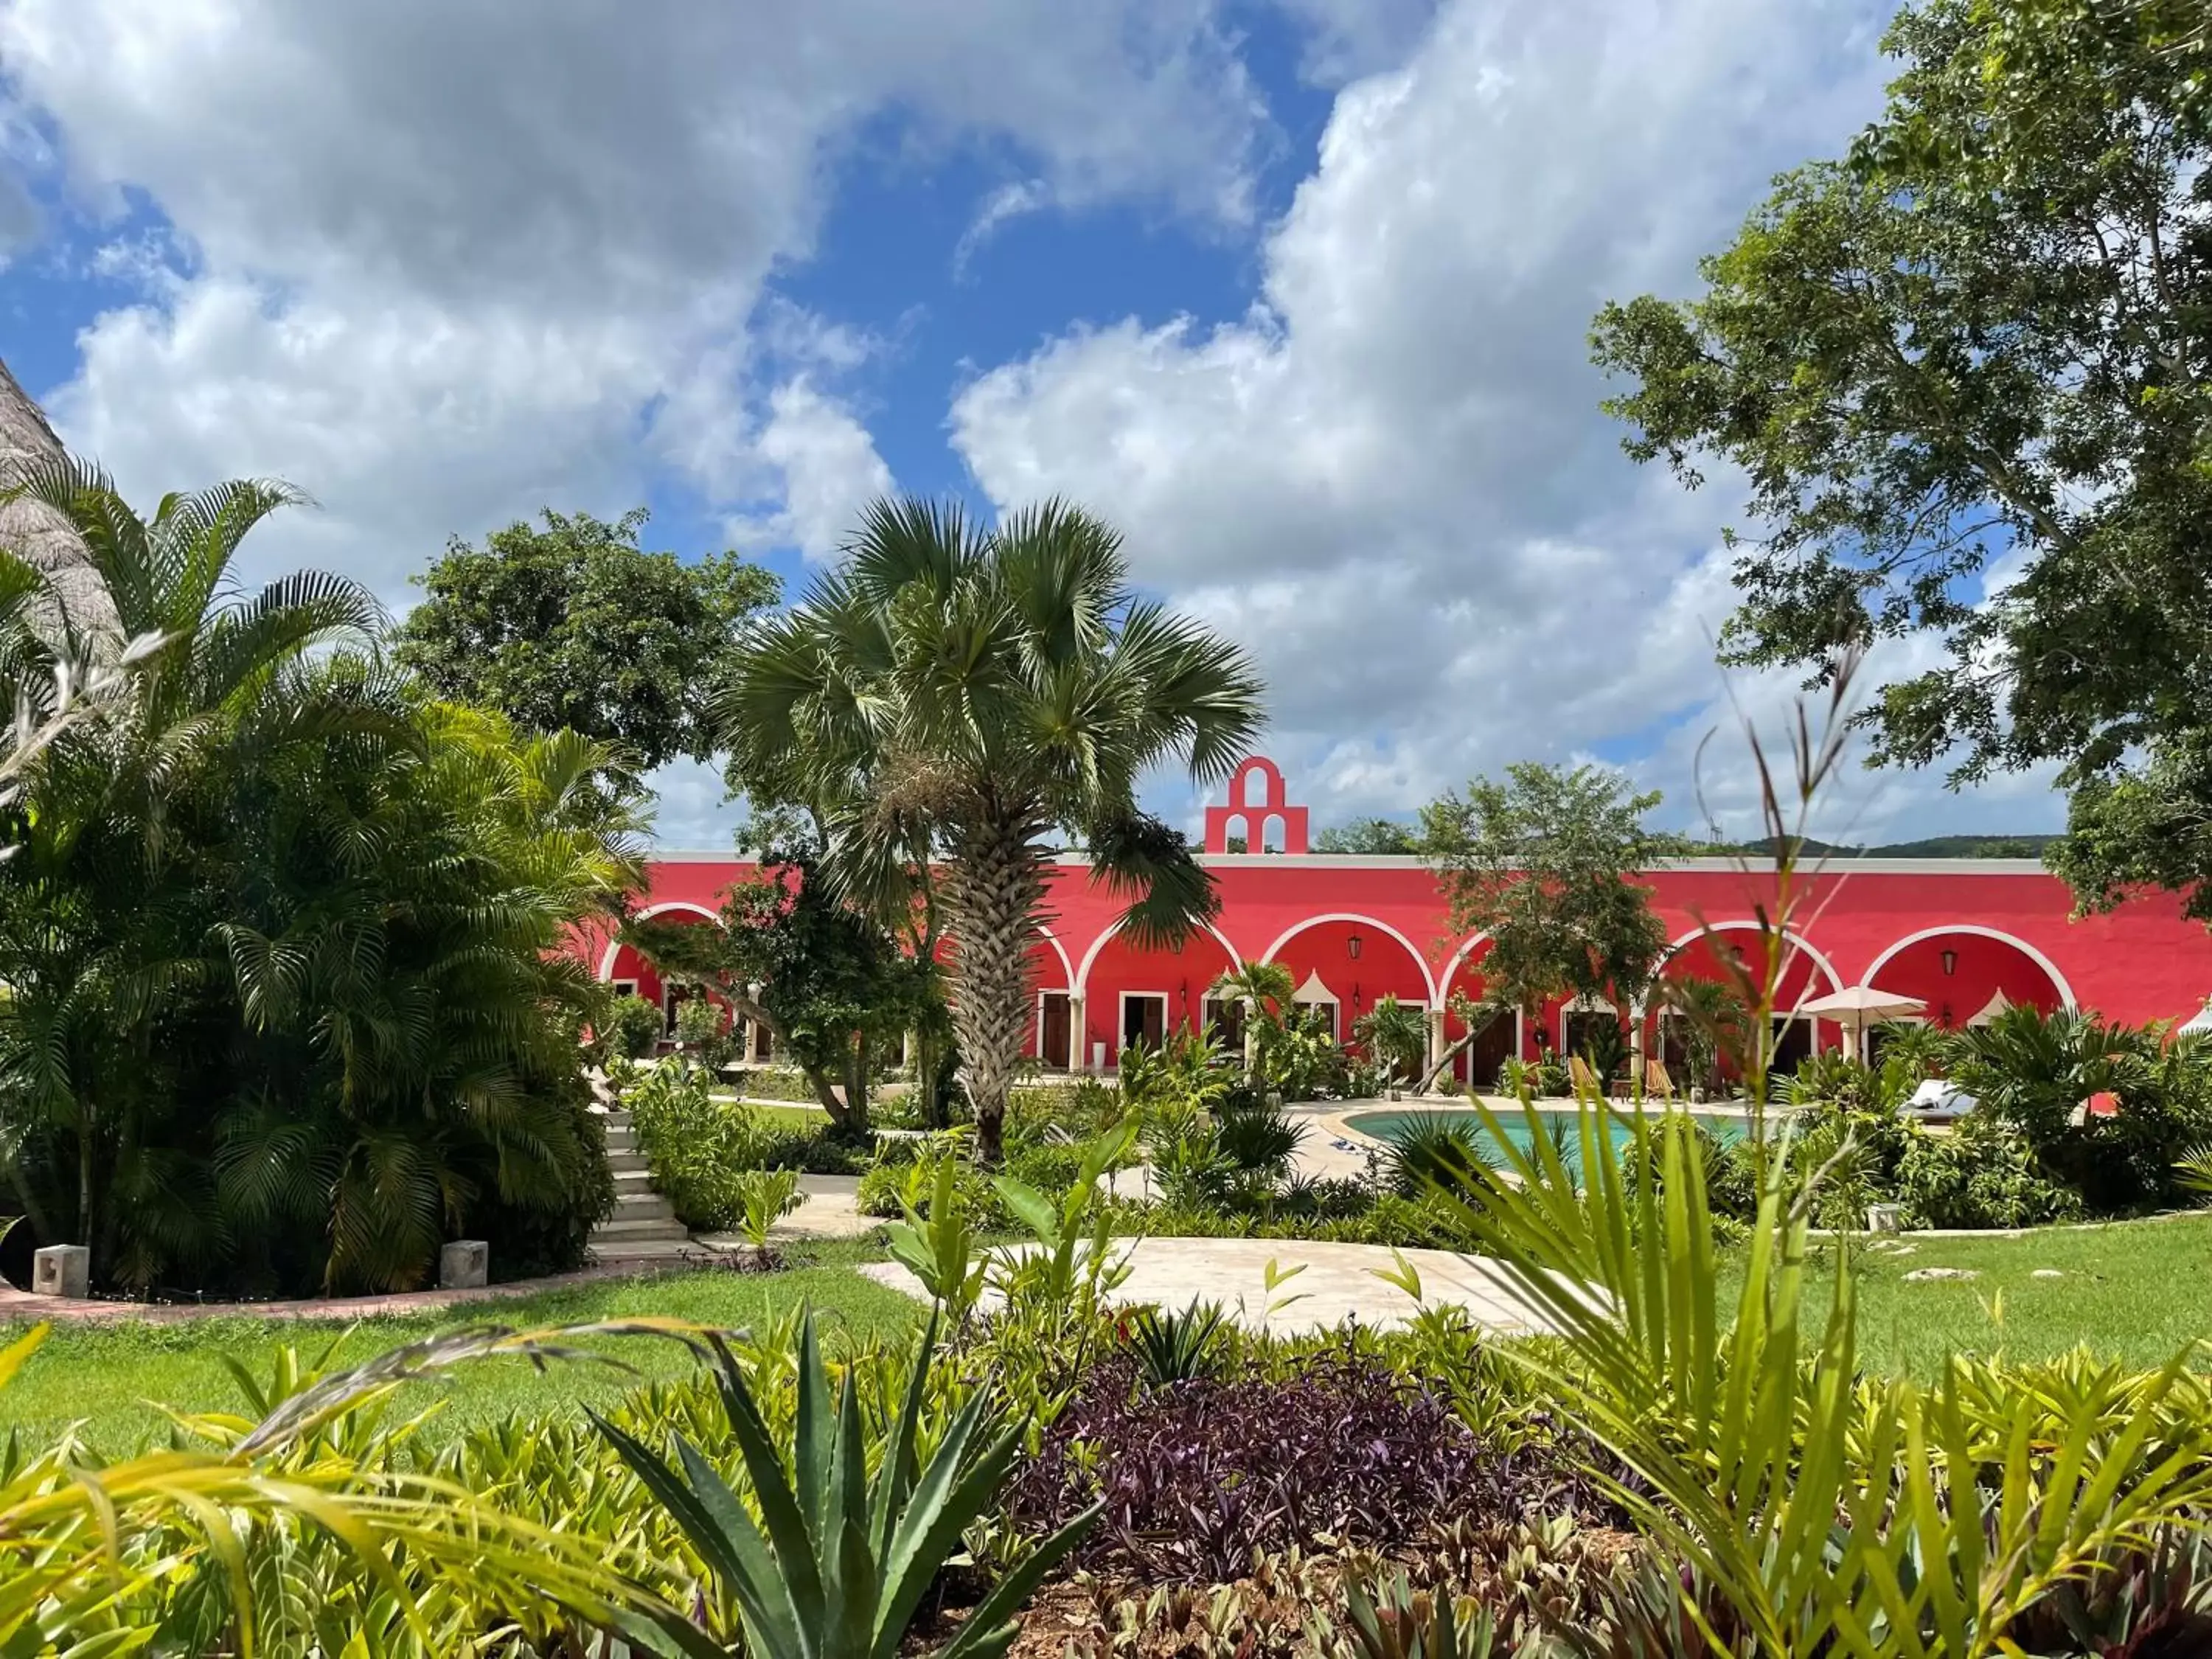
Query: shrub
(634,1026)
(1197,1477)
(1434,1150)
(1263,1139)
(905,1174)
(698,1147)
(1984,1174)
(530,1240)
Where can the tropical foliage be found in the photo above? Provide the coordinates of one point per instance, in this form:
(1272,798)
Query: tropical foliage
(569,625)
(1544,864)
(963,695)
(831,982)
(284,1006)
(1975,339)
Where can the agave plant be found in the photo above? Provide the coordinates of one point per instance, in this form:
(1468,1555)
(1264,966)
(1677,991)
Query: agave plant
(1174,1347)
(837,1565)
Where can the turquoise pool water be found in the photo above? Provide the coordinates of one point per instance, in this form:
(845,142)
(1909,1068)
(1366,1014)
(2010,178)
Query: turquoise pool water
(1390,1125)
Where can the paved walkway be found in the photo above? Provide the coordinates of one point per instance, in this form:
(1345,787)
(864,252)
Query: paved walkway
(21,1307)
(1338,1283)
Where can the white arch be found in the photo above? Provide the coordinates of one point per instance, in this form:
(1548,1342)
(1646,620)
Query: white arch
(1796,939)
(1444,979)
(2050,967)
(1081,982)
(1420,960)
(615,945)
(1060,950)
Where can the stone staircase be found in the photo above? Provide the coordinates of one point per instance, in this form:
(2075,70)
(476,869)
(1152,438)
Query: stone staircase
(643,1228)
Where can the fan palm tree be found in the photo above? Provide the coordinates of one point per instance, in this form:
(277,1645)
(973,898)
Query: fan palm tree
(956,696)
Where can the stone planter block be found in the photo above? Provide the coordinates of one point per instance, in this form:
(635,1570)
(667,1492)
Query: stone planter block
(1885,1217)
(465,1265)
(62,1270)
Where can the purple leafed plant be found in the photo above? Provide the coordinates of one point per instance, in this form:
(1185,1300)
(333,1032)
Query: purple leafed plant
(1198,1475)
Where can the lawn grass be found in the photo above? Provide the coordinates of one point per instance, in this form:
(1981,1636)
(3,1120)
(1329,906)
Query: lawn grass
(103,1375)
(781,1114)
(2137,1292)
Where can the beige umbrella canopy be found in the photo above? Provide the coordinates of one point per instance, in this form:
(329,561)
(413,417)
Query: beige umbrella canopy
(34,531)
(1997,1004)
(1856,1006)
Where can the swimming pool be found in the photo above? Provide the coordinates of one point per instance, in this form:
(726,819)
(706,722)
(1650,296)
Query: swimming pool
(1390,1126)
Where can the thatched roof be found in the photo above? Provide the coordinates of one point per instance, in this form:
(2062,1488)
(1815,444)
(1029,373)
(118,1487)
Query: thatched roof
(32,530)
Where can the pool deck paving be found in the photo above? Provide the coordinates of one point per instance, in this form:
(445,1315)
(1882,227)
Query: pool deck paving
(1336,1283)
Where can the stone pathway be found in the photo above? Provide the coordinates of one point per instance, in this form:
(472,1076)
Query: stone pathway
(1338,1283)
(21,1307)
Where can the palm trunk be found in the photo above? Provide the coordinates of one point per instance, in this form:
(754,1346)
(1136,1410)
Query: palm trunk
(993,894)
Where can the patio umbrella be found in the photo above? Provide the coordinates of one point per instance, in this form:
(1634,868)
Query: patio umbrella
(1997,1004)
(2200,1021)
(1856,1006)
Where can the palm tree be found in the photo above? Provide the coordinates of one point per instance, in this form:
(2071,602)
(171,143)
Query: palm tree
(1266,987)
(955,697)
(1396,1035)
(98,934)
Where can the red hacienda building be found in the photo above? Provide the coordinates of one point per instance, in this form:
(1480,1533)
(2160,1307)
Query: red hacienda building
(1954,934)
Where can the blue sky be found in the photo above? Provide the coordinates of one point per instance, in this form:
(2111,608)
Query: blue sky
(1294,292)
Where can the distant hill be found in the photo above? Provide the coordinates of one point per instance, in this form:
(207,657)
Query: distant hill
(1936,847)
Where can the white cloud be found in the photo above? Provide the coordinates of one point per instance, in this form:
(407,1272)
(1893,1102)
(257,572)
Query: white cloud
(442,261)
(829,466)
(1392,478)
(1007,203)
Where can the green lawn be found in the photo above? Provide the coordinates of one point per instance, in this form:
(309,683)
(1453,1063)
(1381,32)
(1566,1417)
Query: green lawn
(783,1114)
(103,1375)
(2137,1291)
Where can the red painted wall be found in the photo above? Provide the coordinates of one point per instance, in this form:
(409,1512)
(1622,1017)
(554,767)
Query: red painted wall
(2143,961)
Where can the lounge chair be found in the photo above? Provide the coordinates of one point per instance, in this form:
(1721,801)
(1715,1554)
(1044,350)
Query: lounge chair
(1657,1086)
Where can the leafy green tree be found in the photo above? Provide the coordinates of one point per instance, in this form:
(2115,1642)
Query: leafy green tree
(1367,835)
(834,987)
(571,625)
(1544,863)
(962,696)
(1966,374)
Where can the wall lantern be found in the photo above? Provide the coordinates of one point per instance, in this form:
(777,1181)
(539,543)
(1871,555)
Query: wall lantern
(1950,962)
(1352,947)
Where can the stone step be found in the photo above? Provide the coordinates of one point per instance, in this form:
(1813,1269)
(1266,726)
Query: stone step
(614,1254)
(644,1227)
(619,1161)
(643,1207)
(633,1180)
(622,1141)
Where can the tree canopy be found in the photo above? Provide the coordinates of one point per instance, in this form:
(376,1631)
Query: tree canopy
(1966,373)
(1368,836)
(1544,862)
(569,625)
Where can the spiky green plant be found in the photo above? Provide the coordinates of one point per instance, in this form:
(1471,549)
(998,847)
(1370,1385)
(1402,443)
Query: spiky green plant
(837,1565)
(1173,1347)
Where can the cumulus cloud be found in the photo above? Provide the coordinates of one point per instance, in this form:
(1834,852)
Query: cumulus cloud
(438,263)
(829,466)
(1392,478)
